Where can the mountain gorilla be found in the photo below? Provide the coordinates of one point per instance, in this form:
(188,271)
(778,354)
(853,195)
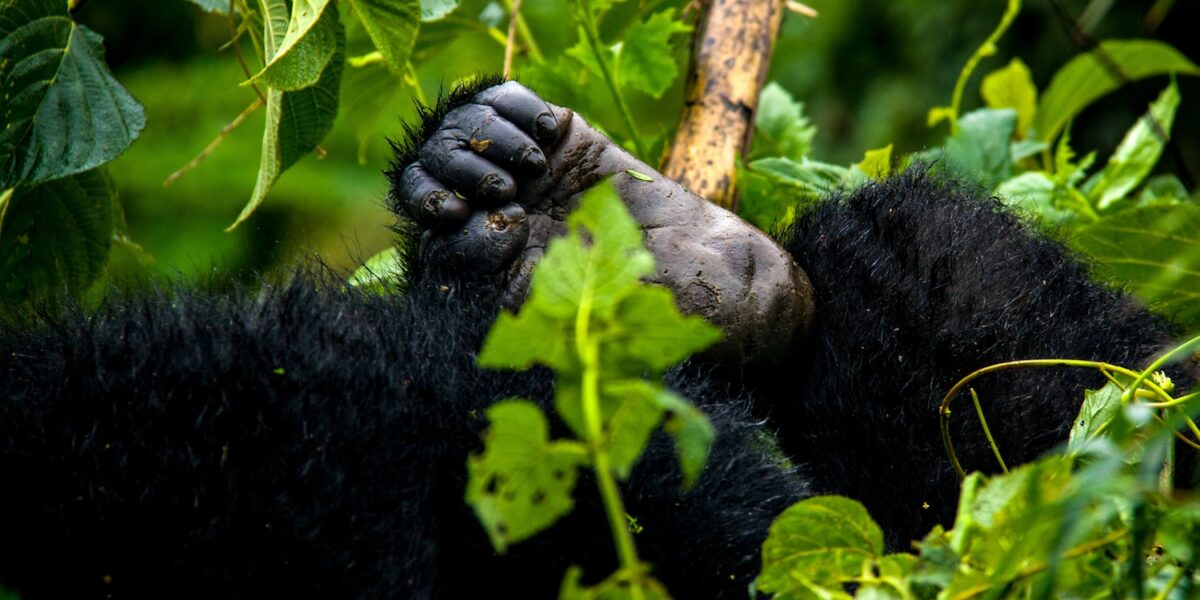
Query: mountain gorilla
(310,440)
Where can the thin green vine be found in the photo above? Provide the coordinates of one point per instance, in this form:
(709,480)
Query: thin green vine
(987,48)
(592,32)
(944,409)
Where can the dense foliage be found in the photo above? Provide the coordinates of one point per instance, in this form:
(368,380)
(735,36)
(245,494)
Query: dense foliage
(1100,518)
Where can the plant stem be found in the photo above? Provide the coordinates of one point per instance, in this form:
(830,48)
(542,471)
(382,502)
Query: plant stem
(526,34)
(588,349)
(592,33)
(944,410)
(987,48)
(987,432)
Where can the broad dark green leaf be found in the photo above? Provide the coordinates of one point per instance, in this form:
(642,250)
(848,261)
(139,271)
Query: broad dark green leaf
(296,122)
(645,61)
(1155,252)
(55,235)
(1089,76)
(808,176)
(1012,87)
(393,26)
(781,129)
(299,49)
(522,482)
(1133,159)
(819,542)
(62,111)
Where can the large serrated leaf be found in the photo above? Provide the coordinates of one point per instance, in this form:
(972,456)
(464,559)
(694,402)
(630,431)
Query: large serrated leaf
(645,61)
(781,129)
(1155,252)
(61,112)
(55,236)
(819,542)
(522,482)
(1089,76)
(393,26)
(296,122)
(299,47)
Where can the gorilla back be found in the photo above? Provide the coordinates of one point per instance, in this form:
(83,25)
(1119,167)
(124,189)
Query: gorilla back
(311,440)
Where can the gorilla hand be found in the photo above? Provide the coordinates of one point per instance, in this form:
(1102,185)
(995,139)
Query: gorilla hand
(493,181)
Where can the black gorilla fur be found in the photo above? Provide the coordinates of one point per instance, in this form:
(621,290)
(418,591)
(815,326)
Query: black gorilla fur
(310,441)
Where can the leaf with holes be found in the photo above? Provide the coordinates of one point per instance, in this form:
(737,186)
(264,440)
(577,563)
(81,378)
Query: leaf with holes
(522,482)
(61,110)
(817,544)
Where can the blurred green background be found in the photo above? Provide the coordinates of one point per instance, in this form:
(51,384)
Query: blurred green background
(868,71)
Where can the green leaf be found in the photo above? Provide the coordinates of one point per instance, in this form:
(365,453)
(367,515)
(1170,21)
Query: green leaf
(1100,407)
(629,427)
(602,273)
(528,338)
(220,7)
(55,236)
(1136,155)
(1033,194)
(877,164)
(373,87)
(1012,87)
(432,10)
(299,48)
(645,61)
(522,482)
(652,334)
(821,541)
(781,128)
(1089,76)
(296,122)
(62,111)
(1153,251)
(980,148)
(381,274)
(618,586)
(393,26)
(582,52)
(692,431)
(807,176)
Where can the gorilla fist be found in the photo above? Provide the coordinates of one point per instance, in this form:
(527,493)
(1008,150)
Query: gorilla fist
(493,172)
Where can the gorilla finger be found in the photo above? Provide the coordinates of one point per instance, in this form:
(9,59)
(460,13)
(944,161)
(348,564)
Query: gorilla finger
(471,174)
(503,143)
(429,202)
(518,104)
(487,243)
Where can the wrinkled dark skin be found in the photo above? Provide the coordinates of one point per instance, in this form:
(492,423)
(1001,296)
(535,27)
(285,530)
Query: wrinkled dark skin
(519,166)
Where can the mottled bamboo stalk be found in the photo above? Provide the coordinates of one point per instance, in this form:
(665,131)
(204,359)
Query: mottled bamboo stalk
(732,50)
